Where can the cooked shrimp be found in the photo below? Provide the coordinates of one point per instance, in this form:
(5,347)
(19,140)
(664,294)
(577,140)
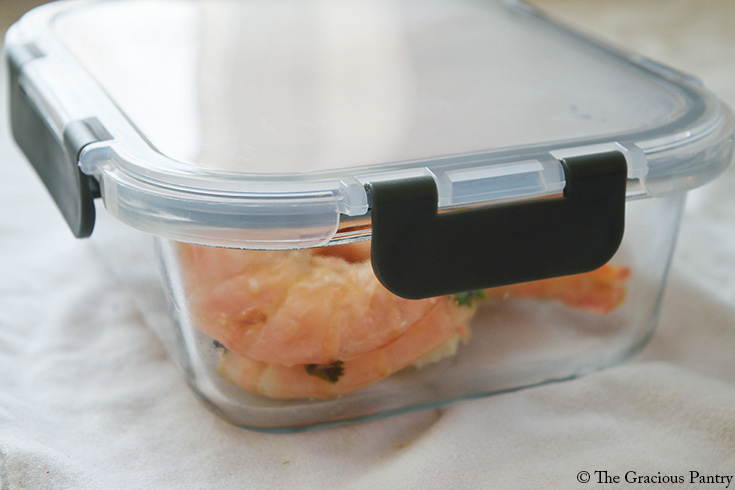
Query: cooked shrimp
(439,330)
(293,307)
(317,323)
(601,290)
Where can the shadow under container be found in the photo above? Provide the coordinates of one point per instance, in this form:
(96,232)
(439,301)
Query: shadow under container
(333,212)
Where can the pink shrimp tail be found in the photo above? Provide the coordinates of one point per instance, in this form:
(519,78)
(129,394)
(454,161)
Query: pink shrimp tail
(600,291)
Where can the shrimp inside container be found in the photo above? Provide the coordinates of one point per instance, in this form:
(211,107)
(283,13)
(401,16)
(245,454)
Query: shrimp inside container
(286,340)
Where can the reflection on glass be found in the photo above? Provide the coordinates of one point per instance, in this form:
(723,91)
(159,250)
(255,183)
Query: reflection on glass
(290,86)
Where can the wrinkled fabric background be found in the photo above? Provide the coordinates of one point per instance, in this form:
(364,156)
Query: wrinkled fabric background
(89,400)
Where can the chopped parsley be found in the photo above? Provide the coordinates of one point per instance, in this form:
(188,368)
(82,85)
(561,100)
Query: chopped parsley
(328,372)
(469,297)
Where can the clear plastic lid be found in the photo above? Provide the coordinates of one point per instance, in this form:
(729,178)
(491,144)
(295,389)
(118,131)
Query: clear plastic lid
(258,123)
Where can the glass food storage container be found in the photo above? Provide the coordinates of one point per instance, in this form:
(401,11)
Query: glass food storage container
(362,207)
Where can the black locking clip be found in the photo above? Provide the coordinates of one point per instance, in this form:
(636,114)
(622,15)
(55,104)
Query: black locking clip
(418,252)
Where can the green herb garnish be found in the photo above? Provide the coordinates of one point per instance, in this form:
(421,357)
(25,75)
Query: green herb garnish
(328,372)
(469,297)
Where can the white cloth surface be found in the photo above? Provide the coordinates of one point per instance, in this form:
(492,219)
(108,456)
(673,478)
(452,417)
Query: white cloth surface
(89,400)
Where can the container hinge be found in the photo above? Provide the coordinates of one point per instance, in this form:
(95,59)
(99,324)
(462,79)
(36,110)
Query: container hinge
(56,162)
(418,252)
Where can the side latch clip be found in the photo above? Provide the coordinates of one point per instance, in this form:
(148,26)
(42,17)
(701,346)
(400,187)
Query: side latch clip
(418,252)
(56,162)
